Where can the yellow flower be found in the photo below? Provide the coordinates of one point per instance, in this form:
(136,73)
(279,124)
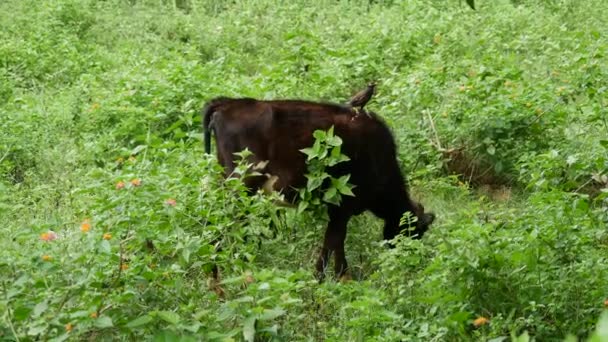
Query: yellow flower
(136,182)
(124,267)
(132,159)
(171,202)
(85,226)
(47,257)
(120,160)
(606,303)
(69,327)
(120,185)
(480,321)
(93,315)
(107,236)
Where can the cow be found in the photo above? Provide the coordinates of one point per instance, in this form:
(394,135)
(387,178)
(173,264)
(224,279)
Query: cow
(276,130)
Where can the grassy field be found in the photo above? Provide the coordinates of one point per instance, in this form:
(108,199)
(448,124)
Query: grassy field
(108,204)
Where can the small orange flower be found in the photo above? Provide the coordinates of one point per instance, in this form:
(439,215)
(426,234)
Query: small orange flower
(69,327)
(47,257)
(95,106)
(171,202)
(85,226)
(480,321)
(93,315)
(606,303)
(124,267)
(107,236)
(120,185)
(136,182)
(48,236)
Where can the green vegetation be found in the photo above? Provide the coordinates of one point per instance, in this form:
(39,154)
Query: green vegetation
(501,121)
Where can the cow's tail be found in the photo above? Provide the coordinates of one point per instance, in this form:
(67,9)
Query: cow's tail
(207,112)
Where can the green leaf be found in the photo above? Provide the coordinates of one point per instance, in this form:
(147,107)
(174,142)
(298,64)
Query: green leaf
(169,316)
(302,206)
(138,149)
(604,143)
(491,150)
(37,329)
(186,254)
(308,151)
(103,322)
(249,329)
(21,313)
(314,183)
(272,314)
(40,308)
(143,320)
(104,247)
(331,196)
(471,3)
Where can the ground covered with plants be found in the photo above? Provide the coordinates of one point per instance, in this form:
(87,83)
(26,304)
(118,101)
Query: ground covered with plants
(108,205)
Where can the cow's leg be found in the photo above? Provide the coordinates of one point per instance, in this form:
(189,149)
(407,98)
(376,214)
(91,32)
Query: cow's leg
(335,234)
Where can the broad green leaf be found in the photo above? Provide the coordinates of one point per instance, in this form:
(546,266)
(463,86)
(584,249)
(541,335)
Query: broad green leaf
(40,308)
(103,322)
(272,314)
(169,316)
(249,329)
(37,329)
(471,3)
(143,320)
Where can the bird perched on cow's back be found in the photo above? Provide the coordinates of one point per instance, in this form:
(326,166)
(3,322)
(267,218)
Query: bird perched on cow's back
(361,98)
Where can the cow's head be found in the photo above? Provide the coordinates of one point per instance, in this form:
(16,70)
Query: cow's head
(424,221)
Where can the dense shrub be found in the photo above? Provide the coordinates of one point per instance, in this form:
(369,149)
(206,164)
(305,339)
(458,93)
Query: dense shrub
(112,216)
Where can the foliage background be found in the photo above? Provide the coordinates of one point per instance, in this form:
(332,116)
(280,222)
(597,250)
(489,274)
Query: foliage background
(500,116)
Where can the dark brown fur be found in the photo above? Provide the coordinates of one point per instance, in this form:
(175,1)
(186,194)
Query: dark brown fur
(277,130)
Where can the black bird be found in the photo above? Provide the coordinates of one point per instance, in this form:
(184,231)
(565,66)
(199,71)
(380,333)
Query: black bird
(361,98)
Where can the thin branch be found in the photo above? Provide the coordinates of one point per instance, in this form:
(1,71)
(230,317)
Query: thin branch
(438,143)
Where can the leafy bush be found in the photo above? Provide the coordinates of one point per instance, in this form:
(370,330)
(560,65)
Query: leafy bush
(112,216)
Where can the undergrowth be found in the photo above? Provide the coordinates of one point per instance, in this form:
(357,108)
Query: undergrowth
(112,216)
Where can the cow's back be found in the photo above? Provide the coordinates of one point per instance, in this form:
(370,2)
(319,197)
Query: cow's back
(277,130)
